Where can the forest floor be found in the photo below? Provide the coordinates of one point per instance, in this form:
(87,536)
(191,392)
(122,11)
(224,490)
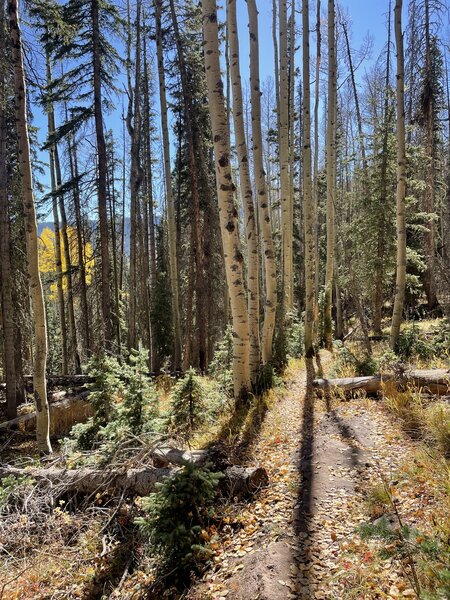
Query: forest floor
(331,465)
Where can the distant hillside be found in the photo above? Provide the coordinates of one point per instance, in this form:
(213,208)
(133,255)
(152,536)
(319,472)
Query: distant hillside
(50,225)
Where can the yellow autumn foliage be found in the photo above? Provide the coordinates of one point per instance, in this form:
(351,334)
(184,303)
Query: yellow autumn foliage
(47,256)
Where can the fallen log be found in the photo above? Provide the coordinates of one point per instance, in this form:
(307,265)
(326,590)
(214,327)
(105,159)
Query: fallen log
(63,413)
(434,381)
(237,481)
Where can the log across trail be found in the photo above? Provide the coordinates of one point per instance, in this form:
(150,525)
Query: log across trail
(434,381)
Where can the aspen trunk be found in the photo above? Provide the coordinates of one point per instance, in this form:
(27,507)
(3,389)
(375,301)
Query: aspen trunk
(316,171)
(400,283)
(37,292)
(227,211)
(291,122)
(174,281)
(7,312)
(285,199)
(265,218)
(246,191)
(101,178)
(331,176)
(308,208)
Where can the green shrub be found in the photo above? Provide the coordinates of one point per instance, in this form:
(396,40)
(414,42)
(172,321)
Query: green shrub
(13,491)
(188,402)
(438,427)
(267,379)
(103,398)
(411,344)
(426,556)
(346,360)
(176,513)
(295,337)
(124,402)
(441,341)
(221,366)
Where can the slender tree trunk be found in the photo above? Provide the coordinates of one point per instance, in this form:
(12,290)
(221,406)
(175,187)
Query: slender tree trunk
(174,281)
(276,65)
(380,258)
(7,313)
(134,130)
(57,231)
(430,252)
(151,214)
(401,182)
(195,169)
(291,121)
(316,170)
(101,181)
(246,191)
(357,293)
(225,191)
(331,176)
(308,208)
(37,292)
(265,224)
(285,200)
(73,163)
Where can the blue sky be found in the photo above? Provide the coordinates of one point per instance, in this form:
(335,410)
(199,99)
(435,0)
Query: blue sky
(367,17)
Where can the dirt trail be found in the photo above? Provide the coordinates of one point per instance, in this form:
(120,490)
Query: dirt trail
(290,540)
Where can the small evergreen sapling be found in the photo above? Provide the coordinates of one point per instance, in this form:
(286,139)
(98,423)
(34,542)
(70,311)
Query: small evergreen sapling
(188,402)
(176,514)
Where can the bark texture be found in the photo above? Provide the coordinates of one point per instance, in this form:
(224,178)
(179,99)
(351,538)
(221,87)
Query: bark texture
(37,293)
(227,210)
(331,175)
(174,283)
(308,207)
(400,283)
(265,219)
(251,230)
(7,313)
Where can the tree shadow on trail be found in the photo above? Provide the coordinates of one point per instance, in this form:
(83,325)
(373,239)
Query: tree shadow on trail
(243,426)
(346,433)
(329,449)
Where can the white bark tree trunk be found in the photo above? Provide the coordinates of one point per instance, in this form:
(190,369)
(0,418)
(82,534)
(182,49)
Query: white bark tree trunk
(265,218)
(331,175)
(246,191)
(308,208)
(227,210)
(286,200)
(31,236)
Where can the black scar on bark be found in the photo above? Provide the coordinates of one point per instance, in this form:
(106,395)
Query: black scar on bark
(37,400)
(223,160)
(230,226)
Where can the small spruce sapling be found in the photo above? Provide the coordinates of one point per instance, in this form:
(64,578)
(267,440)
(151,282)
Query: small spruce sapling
(188,402)
(176,515)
